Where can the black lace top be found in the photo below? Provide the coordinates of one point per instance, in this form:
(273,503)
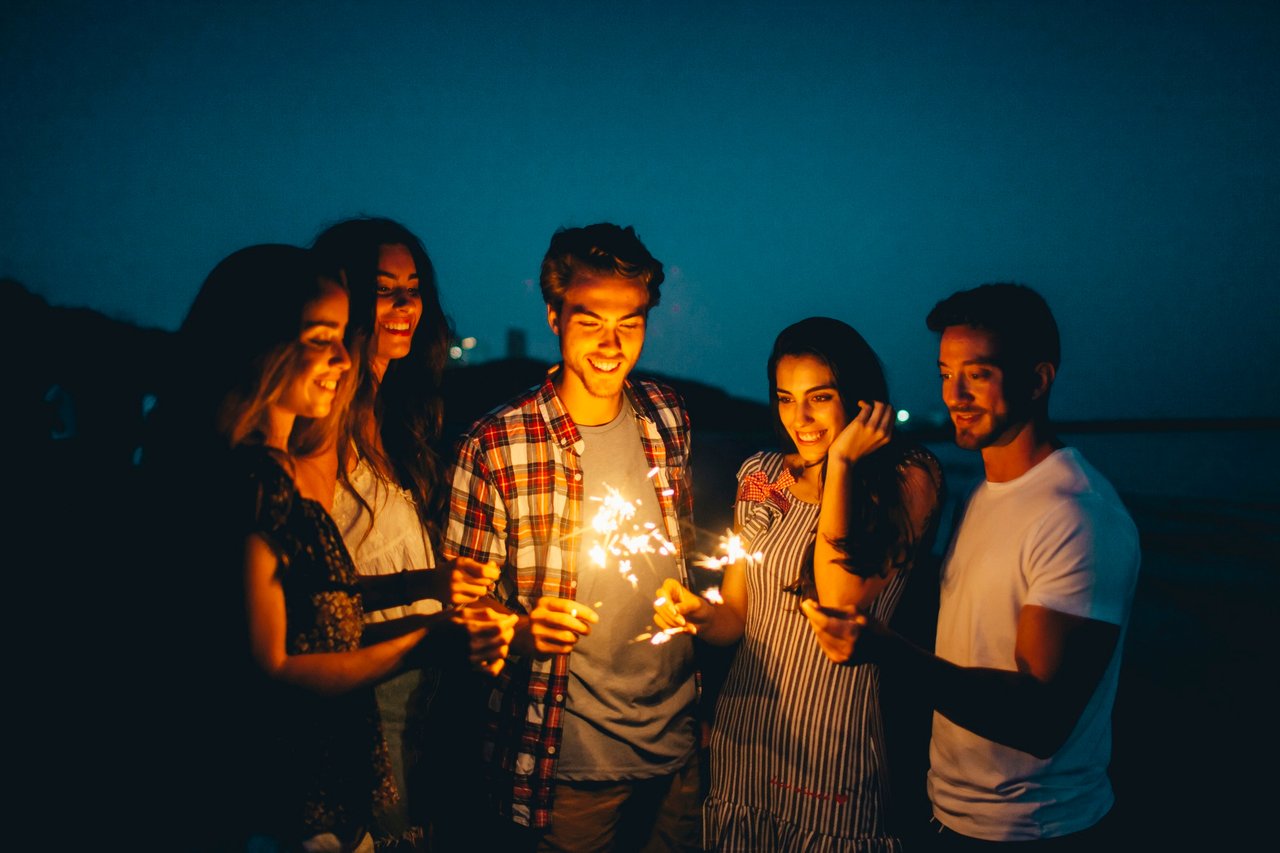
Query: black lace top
(326,767)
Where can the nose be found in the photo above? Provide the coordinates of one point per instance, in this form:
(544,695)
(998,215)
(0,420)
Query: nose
(955,392)
(402,299)
(610,340)
(341,359)
(804,414)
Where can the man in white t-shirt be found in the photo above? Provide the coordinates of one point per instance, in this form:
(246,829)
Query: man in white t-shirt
(1035,597)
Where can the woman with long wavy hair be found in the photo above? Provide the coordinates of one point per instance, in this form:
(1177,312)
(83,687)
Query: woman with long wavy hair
(797,747)
(264,380)
(386,479)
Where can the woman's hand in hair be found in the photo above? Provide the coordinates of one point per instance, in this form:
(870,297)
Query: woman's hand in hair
(469,580)
(866,433)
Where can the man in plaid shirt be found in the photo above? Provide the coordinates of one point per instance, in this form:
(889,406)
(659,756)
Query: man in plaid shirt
(591,735)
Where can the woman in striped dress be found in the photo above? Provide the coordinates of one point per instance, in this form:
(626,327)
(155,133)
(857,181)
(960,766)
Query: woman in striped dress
(797,749)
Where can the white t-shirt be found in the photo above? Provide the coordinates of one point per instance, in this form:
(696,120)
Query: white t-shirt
(1057,537)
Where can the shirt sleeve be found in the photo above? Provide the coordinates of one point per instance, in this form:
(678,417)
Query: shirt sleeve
(477,516)
(1083,561)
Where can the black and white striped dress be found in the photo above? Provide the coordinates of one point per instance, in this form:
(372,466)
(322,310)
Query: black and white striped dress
(797,751)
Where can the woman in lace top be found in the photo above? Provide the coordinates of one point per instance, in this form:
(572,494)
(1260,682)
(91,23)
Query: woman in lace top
(264,347)
(797,747)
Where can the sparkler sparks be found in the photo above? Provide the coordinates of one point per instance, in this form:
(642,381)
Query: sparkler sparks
(731,552)
(617,537)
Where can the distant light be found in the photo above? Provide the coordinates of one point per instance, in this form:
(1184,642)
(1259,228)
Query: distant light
(903,416)
(468,343)
(455,352)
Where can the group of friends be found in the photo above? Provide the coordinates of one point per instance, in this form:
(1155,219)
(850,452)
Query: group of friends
(359,580)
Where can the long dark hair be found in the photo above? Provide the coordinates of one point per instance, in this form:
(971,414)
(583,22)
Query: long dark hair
(405,407)
(880,535)
(237,349)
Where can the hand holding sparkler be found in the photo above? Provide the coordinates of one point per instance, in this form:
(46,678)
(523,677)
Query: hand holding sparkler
(678,609)
(837,628)
(489,633)
(469,580)
(554,627)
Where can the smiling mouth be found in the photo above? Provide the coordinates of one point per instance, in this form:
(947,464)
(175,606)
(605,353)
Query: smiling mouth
(811,437)
(402,328)
(605,366)
(328,384)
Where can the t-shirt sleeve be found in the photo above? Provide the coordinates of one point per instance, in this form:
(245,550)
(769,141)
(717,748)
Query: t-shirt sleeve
(1083,561)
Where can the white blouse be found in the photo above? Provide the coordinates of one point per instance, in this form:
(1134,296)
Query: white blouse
(389,541)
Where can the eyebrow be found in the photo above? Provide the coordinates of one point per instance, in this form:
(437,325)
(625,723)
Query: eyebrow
(578,309)
(328,324)
(385,274)
(986,362)
(811,390)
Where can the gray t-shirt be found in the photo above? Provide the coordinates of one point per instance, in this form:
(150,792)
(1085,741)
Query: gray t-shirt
(629,713)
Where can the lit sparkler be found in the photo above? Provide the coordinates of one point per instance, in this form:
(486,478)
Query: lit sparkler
(620,538)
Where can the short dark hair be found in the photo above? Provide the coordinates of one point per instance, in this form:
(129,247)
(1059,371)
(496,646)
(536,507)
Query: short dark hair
(601,249)
(1017,316)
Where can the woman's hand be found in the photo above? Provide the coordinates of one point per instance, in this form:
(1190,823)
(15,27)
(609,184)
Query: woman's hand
(678,609)
(869,431)
(469,580)
(489,634)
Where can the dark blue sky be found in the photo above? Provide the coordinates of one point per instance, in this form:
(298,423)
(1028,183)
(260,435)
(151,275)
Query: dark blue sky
(860,160)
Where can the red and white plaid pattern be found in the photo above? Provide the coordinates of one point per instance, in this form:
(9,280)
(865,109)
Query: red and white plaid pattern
(517,499)
(756,487)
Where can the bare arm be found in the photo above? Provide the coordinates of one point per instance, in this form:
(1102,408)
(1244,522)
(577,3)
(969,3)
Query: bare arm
(1060,659)
(865,434)
(328,673)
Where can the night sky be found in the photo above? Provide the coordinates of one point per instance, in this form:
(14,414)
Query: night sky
(860,160)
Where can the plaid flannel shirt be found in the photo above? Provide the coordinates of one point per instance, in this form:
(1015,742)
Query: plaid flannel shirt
(517,500)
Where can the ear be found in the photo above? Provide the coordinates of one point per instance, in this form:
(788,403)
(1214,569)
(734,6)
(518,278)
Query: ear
(1042,377)
(553,320)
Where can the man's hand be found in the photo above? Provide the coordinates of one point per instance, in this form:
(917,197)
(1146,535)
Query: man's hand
(866,433)
(837,628)
(489,634)
(469,580)
(555,625)
(676,608)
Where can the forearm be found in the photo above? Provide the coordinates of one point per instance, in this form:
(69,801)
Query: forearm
(1006,706)
(402,588)
(333,673)
(837,585)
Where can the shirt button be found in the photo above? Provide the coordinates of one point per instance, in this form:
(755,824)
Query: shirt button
(559,697)
(577,475)
(551,750)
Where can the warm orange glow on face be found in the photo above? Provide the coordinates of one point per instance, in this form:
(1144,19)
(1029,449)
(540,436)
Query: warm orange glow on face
(322,358)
